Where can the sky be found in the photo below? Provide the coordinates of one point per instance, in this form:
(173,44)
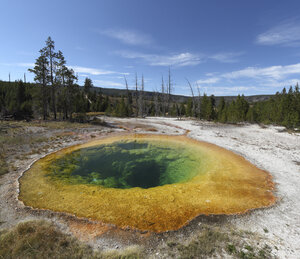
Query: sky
(224,47)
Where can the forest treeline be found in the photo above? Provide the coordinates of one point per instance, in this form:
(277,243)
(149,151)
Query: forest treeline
(56,95)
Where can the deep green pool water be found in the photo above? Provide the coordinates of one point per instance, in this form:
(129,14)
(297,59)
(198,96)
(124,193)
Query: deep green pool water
(126,164)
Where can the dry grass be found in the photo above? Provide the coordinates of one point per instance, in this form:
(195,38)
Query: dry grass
(3,163)
(213,242)
(209,242)
(20,137)
(40,239)
(128,253)
(13,137)
(95,113)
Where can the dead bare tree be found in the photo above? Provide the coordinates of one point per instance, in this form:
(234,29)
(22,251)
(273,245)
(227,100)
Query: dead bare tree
(136,96)
(141,99)
(126,84)
(193,98)
(156,102)
(163,97)
(169,90)
(199,100)
(129,99)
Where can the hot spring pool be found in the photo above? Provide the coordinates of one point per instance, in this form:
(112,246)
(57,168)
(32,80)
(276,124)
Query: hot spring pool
(128,164)
(148,182)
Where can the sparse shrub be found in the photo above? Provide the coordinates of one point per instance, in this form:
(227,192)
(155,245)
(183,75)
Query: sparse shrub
(40,239)
(172,244)
(231,249)
(213,242)
(205,245)
(97,121)
(80,117)
(132,252)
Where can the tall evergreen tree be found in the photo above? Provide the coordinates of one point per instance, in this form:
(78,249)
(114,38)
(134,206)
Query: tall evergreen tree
(51,55)
(189,108)
(88,84)
(42,78)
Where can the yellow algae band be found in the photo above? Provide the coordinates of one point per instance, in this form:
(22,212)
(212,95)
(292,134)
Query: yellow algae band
(181,179)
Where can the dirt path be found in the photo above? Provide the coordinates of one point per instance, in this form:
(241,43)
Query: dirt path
(278,152)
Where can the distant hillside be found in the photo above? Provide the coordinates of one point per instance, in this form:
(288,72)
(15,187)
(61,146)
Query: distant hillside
(114,92)
(177,98)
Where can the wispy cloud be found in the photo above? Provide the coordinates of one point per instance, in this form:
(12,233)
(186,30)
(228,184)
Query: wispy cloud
(227,57)
(287,33)
(180,60)
(211,80)
(130,37)
(262,77)
(95,71)
(272,72)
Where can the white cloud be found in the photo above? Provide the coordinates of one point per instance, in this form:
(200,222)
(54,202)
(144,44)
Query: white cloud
(227,57)
(211,80)
(263,79)
(211,74)
(272,72)
(180,60)
(129,37)
(94,71)
(286,33)
(281,83)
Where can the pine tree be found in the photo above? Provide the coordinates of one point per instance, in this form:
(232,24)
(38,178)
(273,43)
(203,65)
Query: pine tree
(42,78)
(204,114)
(60,80)
(88,85)
(220,108)
(182,110)
(189,108)
(51,55)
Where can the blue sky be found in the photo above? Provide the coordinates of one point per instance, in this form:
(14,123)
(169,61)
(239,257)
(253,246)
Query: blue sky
(226,47)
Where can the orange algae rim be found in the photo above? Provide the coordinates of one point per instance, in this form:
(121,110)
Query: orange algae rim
(238,188)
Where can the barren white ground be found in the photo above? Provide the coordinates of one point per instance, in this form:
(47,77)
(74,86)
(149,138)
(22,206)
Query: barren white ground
(269,148)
